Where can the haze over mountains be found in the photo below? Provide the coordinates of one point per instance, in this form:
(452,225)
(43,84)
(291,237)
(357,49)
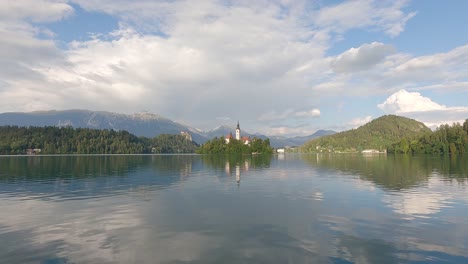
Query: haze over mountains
(141,124)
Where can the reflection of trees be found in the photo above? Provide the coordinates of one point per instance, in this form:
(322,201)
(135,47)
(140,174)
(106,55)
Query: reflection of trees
(170,164)
(393,171)
(236,164)
(43,167)
(88,176)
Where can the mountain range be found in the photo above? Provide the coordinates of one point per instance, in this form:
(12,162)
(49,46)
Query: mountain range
(141,124)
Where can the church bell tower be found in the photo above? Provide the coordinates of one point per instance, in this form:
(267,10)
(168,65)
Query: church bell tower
(238,131)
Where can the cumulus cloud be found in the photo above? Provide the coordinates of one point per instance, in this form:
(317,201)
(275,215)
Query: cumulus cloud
(404,102)
(262,60)
(414,105)
(361,58)
(357,122)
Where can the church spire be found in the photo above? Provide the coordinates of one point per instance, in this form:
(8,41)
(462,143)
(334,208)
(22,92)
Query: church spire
(238,137)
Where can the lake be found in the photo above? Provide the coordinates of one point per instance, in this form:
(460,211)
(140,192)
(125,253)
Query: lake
(202,209)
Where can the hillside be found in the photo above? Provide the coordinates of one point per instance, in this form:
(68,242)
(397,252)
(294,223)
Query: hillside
(67,140)
(446,139)
(377,134)
(141,124)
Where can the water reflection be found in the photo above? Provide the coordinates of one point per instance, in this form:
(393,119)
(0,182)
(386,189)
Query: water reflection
(180,209)
(415,185)
(82,177)
(394,172)
(237,165)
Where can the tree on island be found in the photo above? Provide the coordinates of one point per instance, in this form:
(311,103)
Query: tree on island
(236,147)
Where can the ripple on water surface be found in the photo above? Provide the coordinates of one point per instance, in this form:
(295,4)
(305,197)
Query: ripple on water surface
(173,209)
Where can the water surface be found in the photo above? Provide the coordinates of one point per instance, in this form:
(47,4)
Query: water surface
(201,209)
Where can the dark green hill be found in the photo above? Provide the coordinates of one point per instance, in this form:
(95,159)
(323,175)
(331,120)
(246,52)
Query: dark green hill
(68,140)
(377,134)
(140,124)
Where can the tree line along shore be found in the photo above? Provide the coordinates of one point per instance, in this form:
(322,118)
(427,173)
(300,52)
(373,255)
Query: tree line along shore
(390,134)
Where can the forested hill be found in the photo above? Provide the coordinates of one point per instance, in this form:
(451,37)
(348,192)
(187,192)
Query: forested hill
(444,140)
(140,124)
(377,134)
(67,140)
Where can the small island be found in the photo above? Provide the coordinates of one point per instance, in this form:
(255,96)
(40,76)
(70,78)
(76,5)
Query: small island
(236,145)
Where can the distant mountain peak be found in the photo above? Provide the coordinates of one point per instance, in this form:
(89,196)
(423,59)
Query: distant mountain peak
(141,124)
(146,116)
(221,128)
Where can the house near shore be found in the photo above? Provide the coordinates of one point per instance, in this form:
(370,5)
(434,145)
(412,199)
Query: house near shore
(371,151)
(33,151)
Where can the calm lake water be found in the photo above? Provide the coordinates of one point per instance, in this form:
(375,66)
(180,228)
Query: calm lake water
(200,209)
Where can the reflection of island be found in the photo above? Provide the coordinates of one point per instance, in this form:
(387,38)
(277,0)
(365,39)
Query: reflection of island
(393,172)
(236,165)
(244,167)
(226,162)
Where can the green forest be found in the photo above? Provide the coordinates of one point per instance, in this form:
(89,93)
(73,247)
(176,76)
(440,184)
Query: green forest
(168,143)
(444,140)
(219,146)
(395,134)
(377,134)
(68,140)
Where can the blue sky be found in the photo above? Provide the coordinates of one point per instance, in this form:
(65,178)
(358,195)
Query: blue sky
(281,67)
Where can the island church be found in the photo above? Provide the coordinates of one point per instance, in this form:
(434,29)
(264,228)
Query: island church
(244,139)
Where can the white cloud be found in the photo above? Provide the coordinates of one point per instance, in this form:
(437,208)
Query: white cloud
(311,113)
(414,105)
(361,58)
(35,10)
(384,15)
(289,113)
(394,71)
(404,102)
(441,68)
(357,122)
(287,131)
(204,59)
